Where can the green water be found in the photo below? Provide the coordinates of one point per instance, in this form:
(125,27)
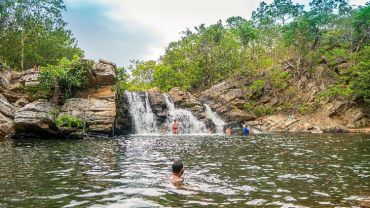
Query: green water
(258,171)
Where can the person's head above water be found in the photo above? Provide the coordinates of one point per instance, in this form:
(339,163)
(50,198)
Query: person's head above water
(177,167)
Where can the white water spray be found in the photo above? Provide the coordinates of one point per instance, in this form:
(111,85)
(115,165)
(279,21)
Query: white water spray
(141,113)
(215,118)
(188,124)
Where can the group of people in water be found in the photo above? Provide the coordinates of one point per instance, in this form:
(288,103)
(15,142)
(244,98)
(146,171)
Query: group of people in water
(228,130)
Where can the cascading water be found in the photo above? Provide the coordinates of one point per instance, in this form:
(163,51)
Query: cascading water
(141,113)
(215,118)
(188,124)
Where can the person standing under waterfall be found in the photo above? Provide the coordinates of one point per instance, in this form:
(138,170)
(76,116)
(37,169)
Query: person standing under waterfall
(175,127)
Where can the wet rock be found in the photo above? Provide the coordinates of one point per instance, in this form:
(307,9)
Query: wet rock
(6,127)
(36,118)
(105,73)
(186,100)
(98,114)
(6,108)
(336,129)
(123,122)
(158,104)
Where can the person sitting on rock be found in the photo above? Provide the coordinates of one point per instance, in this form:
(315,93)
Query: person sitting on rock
(177,172)
(175,127)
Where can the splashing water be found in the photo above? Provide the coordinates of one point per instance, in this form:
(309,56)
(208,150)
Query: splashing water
(215,118)
(141,113)
(187,122)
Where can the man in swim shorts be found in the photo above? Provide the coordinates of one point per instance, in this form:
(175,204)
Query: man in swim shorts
(175,127)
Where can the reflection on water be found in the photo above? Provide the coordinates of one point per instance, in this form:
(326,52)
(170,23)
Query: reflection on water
(262,170)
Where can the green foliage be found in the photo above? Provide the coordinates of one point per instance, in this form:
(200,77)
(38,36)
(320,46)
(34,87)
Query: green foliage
(262,110)
(33,33)
(257,87)
(249,106)
(361,24)
(335,92)
(279,79)
(69,121)
(305,109)
(67,77)
(358,76)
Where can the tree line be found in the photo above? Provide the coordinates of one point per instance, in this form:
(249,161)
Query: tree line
(33,33)
(277,33)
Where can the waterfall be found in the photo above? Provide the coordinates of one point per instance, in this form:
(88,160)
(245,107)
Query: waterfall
(187,121)
(141,113)
(215,118)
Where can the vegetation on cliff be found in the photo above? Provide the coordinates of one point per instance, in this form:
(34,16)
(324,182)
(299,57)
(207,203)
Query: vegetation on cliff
(282,42)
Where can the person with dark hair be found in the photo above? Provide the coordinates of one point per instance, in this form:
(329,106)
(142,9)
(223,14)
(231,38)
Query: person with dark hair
(177,171)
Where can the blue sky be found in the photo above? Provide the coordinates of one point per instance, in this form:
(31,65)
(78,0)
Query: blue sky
(122,30)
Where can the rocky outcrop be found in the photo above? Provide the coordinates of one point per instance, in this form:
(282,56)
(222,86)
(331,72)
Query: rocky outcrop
(186,100)
(123,122)
(36,118)
(105,73)
(227,99)
(6,127)
(6,108)
(158,104)
(97,114)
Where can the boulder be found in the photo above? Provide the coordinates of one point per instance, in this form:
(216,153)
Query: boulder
(105,73)
(186,100)
(6,127)
(237,115)
(36,118)
(158,104)
(6,108)
(98,114)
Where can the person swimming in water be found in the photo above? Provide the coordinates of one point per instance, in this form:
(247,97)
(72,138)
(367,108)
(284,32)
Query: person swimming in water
(175,127)
(177,172)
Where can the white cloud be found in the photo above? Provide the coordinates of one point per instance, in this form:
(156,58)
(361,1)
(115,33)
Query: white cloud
(168,18)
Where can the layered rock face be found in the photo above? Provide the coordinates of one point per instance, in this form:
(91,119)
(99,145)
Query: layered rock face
(227,99)
(22,115)
(36,118)
(96,106)
(186,100)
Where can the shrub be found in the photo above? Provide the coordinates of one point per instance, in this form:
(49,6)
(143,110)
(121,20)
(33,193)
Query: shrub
(69,121)
(279,79)
(335,92)
(262,110)
(258,86)
(305,109)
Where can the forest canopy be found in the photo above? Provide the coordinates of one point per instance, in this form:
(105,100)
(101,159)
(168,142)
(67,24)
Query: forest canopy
(33,33)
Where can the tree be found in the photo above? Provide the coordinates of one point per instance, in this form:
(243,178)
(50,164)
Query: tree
(361,24)
(33,33)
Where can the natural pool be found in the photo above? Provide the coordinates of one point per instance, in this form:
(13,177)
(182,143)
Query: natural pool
(261,170)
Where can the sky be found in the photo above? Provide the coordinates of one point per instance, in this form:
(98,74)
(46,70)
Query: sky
(124,30)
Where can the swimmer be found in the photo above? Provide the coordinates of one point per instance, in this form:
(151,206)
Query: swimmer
(175,127)
(229,131)
(177,171)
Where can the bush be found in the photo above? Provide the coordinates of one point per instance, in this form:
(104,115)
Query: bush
(257,87)
(279,79)
(69,121)
(335,92)
(69,76)
(262,110)
(305,109)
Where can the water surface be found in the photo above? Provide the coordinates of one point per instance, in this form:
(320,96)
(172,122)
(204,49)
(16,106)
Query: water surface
(261,170)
